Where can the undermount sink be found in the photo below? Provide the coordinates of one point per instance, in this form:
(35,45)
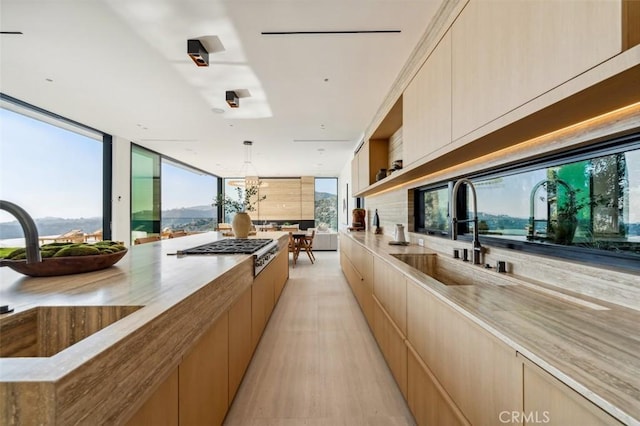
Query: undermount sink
(46,330)
(435,267)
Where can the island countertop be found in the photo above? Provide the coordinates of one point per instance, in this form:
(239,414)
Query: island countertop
(588,344)
(106,376)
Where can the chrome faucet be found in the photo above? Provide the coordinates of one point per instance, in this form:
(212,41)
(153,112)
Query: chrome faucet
(477,248)
(28,228)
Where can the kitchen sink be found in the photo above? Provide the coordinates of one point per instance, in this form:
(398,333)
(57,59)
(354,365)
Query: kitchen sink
(46,330)
(435,267)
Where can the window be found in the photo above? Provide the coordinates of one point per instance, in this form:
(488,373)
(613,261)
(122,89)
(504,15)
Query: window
(187,198)
(433,217)
(326,203)
(52,168)
(231,186)
(583,205)
(167,195)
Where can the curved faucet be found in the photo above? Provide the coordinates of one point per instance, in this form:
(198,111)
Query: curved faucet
(28,228)
(532,205)
(477,248)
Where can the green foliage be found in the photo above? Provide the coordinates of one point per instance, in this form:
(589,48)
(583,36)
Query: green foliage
(246,202)
(82,250)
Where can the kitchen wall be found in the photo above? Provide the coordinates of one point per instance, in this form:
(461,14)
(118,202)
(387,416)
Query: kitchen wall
(490,128)
(121,181)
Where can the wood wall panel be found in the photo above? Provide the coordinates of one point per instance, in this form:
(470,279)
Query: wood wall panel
(290,199)
(395,147)
(307,197)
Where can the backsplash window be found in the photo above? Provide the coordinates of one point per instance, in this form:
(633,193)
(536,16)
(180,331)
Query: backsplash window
(585,204)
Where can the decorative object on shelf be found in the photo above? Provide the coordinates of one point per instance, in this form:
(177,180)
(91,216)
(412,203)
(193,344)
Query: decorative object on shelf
(246,201)
(382,173)
(376,222)
(357,220)
(397,165)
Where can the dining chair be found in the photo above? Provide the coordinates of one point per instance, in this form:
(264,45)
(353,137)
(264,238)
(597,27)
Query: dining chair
(144,240)
(307,242)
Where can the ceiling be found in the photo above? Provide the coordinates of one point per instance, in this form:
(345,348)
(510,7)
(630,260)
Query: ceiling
(121,66)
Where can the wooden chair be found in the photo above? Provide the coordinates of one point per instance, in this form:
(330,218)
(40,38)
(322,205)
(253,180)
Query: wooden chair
(288,228)
(176,234)
(307,244)
(144,240)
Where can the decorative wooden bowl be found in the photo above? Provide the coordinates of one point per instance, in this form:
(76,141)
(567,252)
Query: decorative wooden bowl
(53,266)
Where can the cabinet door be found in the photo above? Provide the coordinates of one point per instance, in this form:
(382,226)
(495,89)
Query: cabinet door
(506,53)
(204,377)
(162,406)
(363,262)
(426,120)
(281,274)
(240,349)
(481,374)
(549,401)
(363,167)
(391,343)
(428,402)
(390,288)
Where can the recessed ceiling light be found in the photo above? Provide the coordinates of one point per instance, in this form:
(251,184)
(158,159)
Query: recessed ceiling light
(326,79)
(50,80)
(321,149)
(218,110)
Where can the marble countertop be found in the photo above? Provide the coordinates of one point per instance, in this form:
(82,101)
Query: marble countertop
(591,345)
(179,296)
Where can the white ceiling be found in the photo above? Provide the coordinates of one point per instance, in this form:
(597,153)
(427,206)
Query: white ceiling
(121,66)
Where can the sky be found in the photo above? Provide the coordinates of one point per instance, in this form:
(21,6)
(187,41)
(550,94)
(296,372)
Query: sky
(37,162)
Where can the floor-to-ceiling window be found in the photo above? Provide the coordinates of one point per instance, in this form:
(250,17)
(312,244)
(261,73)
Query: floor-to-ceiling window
(52,168)
(326,203)
(187,197)
(167,195)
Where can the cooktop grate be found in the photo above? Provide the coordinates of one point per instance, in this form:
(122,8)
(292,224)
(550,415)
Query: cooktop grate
(229,246)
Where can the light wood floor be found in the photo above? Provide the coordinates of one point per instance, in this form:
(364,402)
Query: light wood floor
(317,362)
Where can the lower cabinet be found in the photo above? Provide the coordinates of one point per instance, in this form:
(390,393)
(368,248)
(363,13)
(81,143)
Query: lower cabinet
(204,377)
(391,342)
(262,300)
(482,375)
(547,400)
(161,409)
(240,347)
(357,266)
(428,402)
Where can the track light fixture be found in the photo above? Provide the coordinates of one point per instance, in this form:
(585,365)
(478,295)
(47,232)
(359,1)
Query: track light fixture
(198,53)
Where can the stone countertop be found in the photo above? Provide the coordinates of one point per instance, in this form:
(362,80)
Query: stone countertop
(95,378)
(590,345)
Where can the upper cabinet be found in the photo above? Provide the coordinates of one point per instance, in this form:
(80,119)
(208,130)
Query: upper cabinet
(371,157)
(506,53)
(426,113)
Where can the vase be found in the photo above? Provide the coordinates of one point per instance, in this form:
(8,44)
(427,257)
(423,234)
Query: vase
(241,225)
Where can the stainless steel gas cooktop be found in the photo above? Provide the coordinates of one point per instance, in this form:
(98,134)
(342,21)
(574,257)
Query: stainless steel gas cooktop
(229,246)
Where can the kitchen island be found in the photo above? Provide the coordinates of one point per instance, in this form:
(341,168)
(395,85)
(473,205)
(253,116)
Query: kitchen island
(147,313)
(469,345)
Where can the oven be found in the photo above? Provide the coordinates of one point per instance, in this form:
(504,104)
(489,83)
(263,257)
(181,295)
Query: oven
(262,250)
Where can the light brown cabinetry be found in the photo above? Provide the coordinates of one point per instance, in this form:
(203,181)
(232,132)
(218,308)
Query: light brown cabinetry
(506,53)
(161,408)
(426,120)
(204,377)
(357,265)
(549,401)
(466,360)
(390,288)
(240,343)
(372,156)
(391,342)
(281,272)
(428,402)
(262,300)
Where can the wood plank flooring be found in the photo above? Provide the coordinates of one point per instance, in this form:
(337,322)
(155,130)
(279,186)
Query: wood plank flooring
(317,363)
